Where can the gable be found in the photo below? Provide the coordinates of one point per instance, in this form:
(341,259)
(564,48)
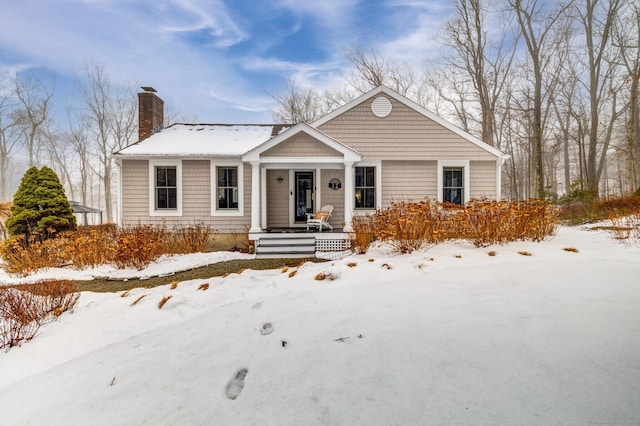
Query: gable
(309,137)
(406,132)
(301,145)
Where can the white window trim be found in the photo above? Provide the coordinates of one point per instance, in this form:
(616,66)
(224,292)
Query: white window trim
(153,211)
(378,166)
(215,211)
(466,173)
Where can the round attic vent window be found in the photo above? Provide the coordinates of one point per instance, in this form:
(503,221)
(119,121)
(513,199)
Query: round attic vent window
(381,106)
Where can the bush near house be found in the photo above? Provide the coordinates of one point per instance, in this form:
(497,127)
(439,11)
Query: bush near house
(583,211)
(40,208)
(24,309)
(90,246)
(409,226)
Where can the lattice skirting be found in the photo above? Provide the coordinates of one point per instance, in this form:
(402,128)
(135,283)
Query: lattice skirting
(332,245)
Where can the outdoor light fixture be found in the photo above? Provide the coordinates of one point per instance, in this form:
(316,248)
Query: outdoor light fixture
(280,179)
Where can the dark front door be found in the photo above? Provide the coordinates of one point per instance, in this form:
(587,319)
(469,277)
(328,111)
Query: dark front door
(304,189)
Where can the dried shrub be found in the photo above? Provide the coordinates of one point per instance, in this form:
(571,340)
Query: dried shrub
(363,233)
(352,264)
(485,222)
(625,228)
(325,276)
(492,253)
(188,239)
(135,302)
(411,226)
(164,300)
(24,309)
(88,247)
(618,206)
(570,249)
(138,246)
(174,285)
(293,273)
(284,269)
(591,209)
(204,286)
(22,255)
(386,266)
(524,253)
(92,246)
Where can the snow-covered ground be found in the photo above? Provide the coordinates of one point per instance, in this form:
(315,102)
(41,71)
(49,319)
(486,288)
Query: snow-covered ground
(450,335)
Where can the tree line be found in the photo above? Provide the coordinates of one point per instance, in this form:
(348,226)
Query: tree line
(554,84)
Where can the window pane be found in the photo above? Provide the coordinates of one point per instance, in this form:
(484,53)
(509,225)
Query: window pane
(161,196)
(359,198)
(172,197)
(359,176)
(370,176)
(171,176)
(232,176)
(370,198)
(161,176)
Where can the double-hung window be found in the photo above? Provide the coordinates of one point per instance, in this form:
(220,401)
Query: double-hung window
(227,188)
(453,185)
(166,188)
(365,187)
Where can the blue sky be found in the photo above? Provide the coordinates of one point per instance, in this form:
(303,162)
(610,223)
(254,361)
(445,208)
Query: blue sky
(214,59)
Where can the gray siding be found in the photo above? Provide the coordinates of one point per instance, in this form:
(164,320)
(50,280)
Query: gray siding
(408,181)
(277,198)
(483,179)
(403,135)
(301,145)
(333,197)
(196,197)
(135,191)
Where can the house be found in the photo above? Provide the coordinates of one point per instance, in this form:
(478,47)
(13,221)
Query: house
(379,148)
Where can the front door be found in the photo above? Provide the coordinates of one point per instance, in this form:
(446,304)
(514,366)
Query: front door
(304,195)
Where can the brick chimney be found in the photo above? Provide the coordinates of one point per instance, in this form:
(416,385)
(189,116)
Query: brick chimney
(150,113)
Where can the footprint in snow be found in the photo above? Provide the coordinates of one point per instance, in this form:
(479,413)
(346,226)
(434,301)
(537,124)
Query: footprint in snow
(267,328)
(257,305)
(235,385)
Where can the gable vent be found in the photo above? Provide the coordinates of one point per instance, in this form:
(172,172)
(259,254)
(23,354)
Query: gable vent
(381,106)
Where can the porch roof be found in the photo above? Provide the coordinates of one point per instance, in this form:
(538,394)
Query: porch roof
(348,154)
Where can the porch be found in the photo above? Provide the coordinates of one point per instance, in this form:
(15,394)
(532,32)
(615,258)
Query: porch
(295,174)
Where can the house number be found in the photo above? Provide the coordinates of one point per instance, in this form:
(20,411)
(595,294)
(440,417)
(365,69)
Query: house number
(335,184)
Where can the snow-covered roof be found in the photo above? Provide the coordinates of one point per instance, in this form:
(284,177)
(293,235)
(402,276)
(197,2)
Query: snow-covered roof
(204,140)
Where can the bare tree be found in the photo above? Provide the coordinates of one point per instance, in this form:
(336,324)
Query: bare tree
(35,98)
(597,18)
(296,104)
(485,60)
(542,32)
(626,35)
(371,69)
(10,135)
(78,138)
(106,113)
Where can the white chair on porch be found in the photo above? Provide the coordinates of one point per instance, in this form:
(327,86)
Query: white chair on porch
(320,219)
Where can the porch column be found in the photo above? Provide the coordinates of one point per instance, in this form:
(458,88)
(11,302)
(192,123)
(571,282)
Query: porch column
(263,197)
(348,195)
(255,197)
